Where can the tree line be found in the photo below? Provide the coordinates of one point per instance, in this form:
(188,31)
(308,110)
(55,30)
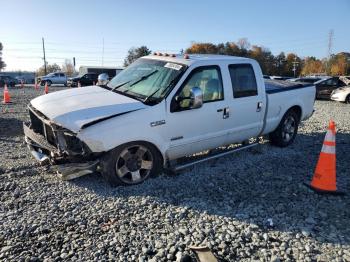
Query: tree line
(282,64)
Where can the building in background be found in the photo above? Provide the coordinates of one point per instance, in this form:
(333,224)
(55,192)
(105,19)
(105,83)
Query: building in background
(25,76)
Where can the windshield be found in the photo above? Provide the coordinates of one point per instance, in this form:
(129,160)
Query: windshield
(147,78)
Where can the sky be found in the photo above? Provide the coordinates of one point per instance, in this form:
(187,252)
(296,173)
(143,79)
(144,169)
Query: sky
(100,32)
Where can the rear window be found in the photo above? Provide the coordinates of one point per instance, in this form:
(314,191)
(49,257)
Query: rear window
(243,80)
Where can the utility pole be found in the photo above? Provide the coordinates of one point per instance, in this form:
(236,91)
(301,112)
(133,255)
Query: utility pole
(44,56)
(295,64)
(74,63)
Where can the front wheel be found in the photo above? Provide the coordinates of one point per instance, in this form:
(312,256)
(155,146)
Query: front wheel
(49,83)
(347,99)
(131,163)
(286,131)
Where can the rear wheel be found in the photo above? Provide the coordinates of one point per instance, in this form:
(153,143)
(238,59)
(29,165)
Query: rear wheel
(131,163)
(286,131)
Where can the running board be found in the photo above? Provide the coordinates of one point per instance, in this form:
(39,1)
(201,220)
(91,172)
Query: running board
(210,157)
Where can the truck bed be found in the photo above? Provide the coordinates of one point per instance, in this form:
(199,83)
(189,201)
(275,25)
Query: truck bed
(276,86)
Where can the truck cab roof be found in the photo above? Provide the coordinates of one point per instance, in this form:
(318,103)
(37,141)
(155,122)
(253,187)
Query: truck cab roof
(193,58)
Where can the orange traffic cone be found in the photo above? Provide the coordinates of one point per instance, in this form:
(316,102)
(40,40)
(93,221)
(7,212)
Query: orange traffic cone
(324,179)
(7,98)
(46,89)
(36,85)
(79,85)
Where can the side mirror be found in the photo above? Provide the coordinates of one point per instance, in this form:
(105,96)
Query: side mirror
(102,79)
(196,96)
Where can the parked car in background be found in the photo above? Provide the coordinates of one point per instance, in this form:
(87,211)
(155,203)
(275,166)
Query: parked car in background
(57,78)
(325,87)
(306,79)
(160,109)
(110,71)
(341,94)
(84,80)
(21,79)
(8,80)
(281,77)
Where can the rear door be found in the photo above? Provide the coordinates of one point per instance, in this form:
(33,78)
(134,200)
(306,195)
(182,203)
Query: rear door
(246,103)
(63,79)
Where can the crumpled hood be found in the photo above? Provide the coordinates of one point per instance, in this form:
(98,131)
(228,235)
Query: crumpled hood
(74,108)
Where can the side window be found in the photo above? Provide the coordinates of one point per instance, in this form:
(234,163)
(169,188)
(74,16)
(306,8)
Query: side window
(208,79)
(61,75)
(330,82)
(243,80)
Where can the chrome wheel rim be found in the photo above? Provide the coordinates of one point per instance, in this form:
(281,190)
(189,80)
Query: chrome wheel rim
(288,130)
(134,164)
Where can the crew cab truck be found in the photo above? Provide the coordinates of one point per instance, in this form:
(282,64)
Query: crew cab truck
(162,108)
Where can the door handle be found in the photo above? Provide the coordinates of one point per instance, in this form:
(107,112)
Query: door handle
(259,106)
(226,112)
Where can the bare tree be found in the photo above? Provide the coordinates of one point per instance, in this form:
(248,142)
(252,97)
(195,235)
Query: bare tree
(2,63)
(50,69)
(68,67)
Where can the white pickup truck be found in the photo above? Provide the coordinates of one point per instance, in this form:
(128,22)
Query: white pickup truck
(161,109)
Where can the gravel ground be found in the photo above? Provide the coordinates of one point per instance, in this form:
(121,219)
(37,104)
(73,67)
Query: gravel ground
(251,206)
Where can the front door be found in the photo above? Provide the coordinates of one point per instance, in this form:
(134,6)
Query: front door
(194,130)
(325,88)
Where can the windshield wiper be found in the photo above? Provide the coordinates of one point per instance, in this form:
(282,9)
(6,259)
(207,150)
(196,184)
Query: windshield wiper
(116,87)
(155,92)
(144,77)
(137,81)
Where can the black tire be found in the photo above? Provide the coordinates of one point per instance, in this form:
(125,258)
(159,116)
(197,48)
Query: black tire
(49,83)
(123,164)
(286,131)
(347,99)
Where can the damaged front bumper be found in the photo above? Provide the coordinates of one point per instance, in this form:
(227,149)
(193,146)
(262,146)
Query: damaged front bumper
(70,157)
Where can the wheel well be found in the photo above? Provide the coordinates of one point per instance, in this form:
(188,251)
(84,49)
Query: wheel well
(297,110)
